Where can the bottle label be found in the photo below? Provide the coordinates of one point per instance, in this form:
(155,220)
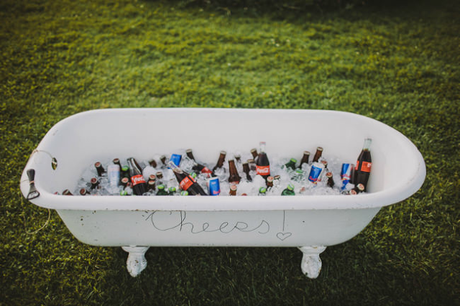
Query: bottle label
(137,179)
(206,170)
(263,170)
(187,182)
(366,167)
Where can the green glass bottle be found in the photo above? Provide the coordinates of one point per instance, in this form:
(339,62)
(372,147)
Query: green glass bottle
(291,164)
(262,191)
(172,191)
(289,191)
(161,190)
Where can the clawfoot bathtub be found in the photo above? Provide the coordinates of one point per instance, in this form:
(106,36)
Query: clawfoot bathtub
(310,223)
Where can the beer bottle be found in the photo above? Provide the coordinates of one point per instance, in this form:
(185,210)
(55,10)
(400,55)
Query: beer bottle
(319,152)
(172,191)
(67,192)
(234,176)
(252,164)
(83,191)
(238,158)
(189,153)
(289,191)
(363,165)
(116,161)
(152,182)
(246,171)
(358,189)
(151,185)
(94,183)
(298,175)
(305,158)
(291,164)
(161,190)
(199,167)
(99,168)
(186,182)
(324,162)
(159,178)
(262,162)
(233,190)
(262,191)
(220,161)
(163,161)
(254,153)
(124,172)
(153,163)
(330,179)
(270,180)
(139,184)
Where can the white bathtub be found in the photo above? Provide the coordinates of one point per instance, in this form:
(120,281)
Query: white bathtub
(311,223)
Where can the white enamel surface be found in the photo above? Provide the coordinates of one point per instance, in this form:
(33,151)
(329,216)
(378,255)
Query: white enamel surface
(398,171)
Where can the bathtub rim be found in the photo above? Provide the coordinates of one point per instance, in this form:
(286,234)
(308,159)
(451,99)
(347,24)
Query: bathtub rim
(370,200)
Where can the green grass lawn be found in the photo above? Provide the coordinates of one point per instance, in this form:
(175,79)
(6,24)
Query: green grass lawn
(399,64)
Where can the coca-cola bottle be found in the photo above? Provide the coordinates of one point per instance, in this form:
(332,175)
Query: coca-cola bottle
(262,163)
(363,165)
(139,184)
(234,176)
(186,182)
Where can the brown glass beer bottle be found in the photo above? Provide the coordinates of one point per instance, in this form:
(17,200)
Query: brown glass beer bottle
(319,152)
(220,161)
(234,176)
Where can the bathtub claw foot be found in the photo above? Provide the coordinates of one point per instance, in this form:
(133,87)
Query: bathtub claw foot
(311,263)
(136,262)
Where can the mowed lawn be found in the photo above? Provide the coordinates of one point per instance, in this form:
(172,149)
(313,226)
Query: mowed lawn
(394,62)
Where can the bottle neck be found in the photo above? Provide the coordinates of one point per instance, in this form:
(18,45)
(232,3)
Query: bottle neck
(367,144)
(262,147)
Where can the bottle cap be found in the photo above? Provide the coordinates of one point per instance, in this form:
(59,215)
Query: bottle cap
(262,190)
(290,187)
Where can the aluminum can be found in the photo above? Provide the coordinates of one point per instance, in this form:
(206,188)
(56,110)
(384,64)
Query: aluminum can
(315,172)
(214,186)
(114,175)
(345,174)
(176,158)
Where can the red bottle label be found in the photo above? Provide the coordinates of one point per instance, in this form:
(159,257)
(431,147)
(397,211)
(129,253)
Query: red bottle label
(137,179)
(186,182)
(366,167)
(206,170)
(263,170)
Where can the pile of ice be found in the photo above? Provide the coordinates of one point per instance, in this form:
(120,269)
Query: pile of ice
(302,186)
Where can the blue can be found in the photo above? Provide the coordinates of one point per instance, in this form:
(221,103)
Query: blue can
(345,174)
(315,172)
(214,186)
(176,158)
